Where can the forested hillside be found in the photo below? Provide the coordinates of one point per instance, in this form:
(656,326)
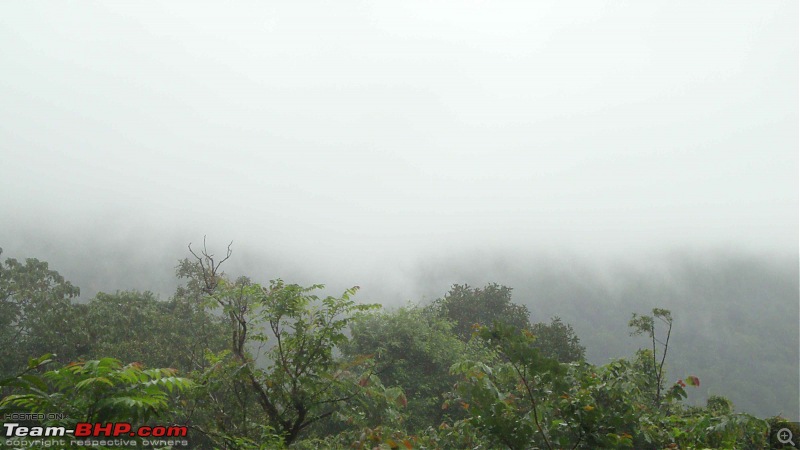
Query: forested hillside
(738,310)
(475,225)
(738,313)
(246,363)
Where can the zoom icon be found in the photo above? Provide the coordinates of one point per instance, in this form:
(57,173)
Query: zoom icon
(785,436)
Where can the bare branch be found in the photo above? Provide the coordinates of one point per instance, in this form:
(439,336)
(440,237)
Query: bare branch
(208,266)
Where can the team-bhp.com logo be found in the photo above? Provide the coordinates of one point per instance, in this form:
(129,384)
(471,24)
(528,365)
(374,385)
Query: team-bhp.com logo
(94,430)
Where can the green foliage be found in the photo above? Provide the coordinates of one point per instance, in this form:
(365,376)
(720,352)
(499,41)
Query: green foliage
(36,314)
(281,366)
(777,423)
(412,350)
(294,332)
(557,340)
(705,430)
(524,398)
(373,417)
(646,324)
(94,391)
(127,325)
(137,326)
(507,400)
(303,382)
(467,306)
(719,405)
(223,408)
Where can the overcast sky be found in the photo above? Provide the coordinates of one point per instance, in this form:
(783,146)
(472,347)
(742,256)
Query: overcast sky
(345,133)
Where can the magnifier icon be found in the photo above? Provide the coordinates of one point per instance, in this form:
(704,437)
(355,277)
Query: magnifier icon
(785,436)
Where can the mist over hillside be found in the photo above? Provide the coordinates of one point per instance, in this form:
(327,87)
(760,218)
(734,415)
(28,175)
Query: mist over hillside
(736,312)
(602,159)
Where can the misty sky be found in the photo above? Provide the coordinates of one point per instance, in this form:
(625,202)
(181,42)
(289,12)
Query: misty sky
(344,133)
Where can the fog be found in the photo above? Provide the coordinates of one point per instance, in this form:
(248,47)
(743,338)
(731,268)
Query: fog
(406,146)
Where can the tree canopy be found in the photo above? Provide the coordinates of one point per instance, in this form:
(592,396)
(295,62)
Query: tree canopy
(245,365)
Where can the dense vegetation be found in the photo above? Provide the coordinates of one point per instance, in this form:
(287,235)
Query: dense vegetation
(259,366)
